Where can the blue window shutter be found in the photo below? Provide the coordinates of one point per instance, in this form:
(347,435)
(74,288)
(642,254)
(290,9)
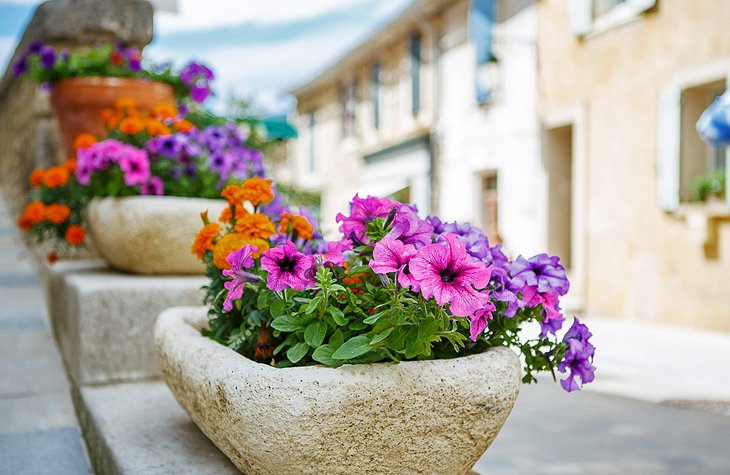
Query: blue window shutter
(481,23)
(669,130)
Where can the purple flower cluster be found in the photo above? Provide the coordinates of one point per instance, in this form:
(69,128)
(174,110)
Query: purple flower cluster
(133,162)
(197,77)
(46,58)
(578,357)
(362,211)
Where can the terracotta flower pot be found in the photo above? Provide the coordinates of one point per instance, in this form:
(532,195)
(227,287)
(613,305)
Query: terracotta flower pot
(149,234)
(435,416)
(78,102)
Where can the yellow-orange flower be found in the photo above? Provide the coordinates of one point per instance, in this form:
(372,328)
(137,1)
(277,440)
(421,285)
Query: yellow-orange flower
(34,212)
(55,176)
(225,216)
(257,190)
(84,140)
(110,118)
(255,225)
(164,111)
(70,165)
(234,195)
(155,127)
(233,242)
(126,104)
(75,235)
(131,125)
(36,177)
(204,240)
(57,213)
(295,223)
(183,125)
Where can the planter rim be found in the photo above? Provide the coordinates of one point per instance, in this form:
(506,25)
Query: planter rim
(107,81)
(188,321)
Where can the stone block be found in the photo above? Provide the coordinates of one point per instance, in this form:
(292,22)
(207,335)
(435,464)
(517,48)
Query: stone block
(103,320)
(135,428)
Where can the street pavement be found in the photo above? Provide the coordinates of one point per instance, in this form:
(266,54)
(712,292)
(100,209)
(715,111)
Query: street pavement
(660,404)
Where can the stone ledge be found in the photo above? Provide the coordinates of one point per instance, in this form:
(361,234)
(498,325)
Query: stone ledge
(103,320)
(136,428)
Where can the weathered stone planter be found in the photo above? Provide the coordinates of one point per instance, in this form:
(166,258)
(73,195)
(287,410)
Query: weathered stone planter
(149,234)
(435,417)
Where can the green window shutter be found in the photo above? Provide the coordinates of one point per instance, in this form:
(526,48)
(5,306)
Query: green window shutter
(669,131)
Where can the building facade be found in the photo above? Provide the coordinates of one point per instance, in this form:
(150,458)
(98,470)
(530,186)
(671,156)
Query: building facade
(621,84)
(437,108)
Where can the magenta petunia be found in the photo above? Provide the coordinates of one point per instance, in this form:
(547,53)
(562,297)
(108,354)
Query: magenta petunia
(362,211)
(135,165)
(478,322)
(449,274)
(288,268)
(392,255)
(155,186)
(409,228)
(239,260)
(335,252)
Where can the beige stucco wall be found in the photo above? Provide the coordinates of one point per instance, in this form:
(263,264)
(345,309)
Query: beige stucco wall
(642,263)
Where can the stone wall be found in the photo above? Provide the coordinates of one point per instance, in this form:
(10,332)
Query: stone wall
(28,132)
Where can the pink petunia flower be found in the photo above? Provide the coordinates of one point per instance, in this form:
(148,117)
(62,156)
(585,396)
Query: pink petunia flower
(155,186)
(391,255)
(478,322)
(136,166)
(239,260)
(362,211)
(448,273)
(287,267)
(335,252)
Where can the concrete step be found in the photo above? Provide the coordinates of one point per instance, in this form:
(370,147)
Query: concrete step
(138,428)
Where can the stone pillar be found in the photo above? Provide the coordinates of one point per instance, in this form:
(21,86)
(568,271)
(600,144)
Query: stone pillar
(28,131)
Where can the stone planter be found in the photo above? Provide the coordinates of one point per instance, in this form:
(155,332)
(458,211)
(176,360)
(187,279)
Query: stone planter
(149,234)
(79,102)
(414,417)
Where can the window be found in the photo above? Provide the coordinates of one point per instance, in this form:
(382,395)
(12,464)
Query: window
(415,73)
(349,109)
(311,128)
(683,158)
(375,94)
(490,207)
(594,16)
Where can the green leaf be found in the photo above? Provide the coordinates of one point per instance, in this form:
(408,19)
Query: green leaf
(315,333)
(374,318)
(381,336)
(359,270)
(262,300)
(286,324)
(277,308)
(352,348)
(357,326)
(297,352)
(339,316)
(337,339)
(323,355)
(337,287)
(313,305)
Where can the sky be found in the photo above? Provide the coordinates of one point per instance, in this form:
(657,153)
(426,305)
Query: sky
(258,49)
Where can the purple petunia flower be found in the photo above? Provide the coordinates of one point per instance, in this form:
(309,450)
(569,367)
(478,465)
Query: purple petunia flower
(392,255)
(449,274)
(47,57)
(362,211)
(155,186)
(479,321)
(135,165)
(578,358)
(335,253)
(502,290)
(409,228)
(288,268)
(20,66)
(551,326)
(239,260)
(35,47)
(543,271)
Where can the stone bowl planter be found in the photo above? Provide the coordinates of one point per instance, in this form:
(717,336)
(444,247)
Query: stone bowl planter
(413,417)
(149,234)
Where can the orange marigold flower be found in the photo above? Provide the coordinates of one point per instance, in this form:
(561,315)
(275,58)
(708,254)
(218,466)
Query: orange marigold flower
(57,213)
(164,111)
(295,223)
(24,223)
(183,125)
(255,226)
(70,165)
(52,258)
(55,176)
(36,177)
(355,279)
(75,235)
(257,190)
(84,140)
(35,212)
(110,118)
(234,195)
(131,125)
(233,242)
(204,240)
(126,104)
(155,127)
(225,216)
